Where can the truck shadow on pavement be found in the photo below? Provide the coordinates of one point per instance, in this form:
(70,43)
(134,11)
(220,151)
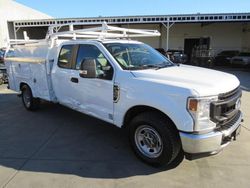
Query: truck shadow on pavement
(58,140)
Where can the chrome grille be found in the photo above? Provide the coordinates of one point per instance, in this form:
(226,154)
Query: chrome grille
(224,110)
(224,96)
(230,123)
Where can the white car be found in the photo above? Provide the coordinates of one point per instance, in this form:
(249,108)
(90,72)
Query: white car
(167,108)
(243,59)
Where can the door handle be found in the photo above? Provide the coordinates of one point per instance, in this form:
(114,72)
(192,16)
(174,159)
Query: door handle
(75,80)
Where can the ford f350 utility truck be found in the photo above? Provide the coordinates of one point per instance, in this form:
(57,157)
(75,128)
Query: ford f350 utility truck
(168,109)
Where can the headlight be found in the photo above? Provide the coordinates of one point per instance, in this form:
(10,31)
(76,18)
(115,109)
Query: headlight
(199,108)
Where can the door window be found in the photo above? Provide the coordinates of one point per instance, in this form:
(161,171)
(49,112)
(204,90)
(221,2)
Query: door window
(64,60)
(104,70)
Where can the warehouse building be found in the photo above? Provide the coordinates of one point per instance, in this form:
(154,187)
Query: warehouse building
(11,10)
(213,32)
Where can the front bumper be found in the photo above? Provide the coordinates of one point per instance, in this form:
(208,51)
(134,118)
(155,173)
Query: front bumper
(213,142)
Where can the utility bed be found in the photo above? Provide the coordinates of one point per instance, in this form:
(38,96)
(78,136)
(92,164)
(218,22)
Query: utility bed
(31,65)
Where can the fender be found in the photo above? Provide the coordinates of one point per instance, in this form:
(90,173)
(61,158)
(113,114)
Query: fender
(165,98)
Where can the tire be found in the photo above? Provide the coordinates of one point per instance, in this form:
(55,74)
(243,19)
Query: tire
(154,138)
(29,102)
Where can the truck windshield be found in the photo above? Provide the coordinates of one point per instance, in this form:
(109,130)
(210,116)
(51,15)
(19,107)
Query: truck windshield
(133,56)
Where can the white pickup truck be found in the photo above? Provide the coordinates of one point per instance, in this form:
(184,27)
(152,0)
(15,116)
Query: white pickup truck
(167,108)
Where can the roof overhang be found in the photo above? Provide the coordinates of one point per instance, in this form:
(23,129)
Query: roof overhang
(151,19)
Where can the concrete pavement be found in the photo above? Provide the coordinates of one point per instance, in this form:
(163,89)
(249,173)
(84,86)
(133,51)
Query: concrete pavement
(58,147)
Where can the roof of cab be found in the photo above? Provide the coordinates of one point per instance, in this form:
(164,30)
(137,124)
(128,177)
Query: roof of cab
(105,41)
(119,41)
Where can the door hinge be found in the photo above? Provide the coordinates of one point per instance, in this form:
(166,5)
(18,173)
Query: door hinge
(116,93)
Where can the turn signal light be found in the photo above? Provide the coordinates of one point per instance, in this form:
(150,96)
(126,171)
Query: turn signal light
(193,105)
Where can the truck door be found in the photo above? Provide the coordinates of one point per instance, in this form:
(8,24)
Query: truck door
(61,76)
(94,96)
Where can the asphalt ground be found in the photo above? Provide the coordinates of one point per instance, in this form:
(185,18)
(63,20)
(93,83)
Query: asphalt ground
(58,147)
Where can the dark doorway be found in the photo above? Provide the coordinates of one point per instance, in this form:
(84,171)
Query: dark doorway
(33,32)
(189,45)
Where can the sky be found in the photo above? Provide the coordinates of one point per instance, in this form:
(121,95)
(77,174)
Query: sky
(95,8)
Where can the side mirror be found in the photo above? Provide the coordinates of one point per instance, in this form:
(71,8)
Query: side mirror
(88,68)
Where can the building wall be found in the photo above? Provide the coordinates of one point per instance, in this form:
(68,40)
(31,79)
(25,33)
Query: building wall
(153,41)
(223,36)
(246,37)
(3,32)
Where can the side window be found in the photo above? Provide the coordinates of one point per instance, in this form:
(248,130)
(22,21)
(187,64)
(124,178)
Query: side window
(104,69)
(64,60)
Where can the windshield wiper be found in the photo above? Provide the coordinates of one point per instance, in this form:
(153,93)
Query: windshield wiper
(163,65)
(156,66)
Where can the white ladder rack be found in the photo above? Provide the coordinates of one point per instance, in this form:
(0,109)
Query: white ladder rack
(100,33)
(103,32)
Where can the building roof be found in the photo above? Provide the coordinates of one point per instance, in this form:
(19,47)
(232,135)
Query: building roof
(179,18)
(11,10)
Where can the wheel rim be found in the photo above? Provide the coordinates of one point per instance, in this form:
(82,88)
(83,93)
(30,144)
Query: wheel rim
(26,98)
(148,141)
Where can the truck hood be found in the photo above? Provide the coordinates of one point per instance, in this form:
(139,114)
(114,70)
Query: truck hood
(202,81)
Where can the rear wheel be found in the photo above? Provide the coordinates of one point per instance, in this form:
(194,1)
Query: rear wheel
(154,138)
(29,102)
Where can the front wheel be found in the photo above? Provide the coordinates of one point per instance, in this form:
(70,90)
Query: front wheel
(154,138)
(29,102)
